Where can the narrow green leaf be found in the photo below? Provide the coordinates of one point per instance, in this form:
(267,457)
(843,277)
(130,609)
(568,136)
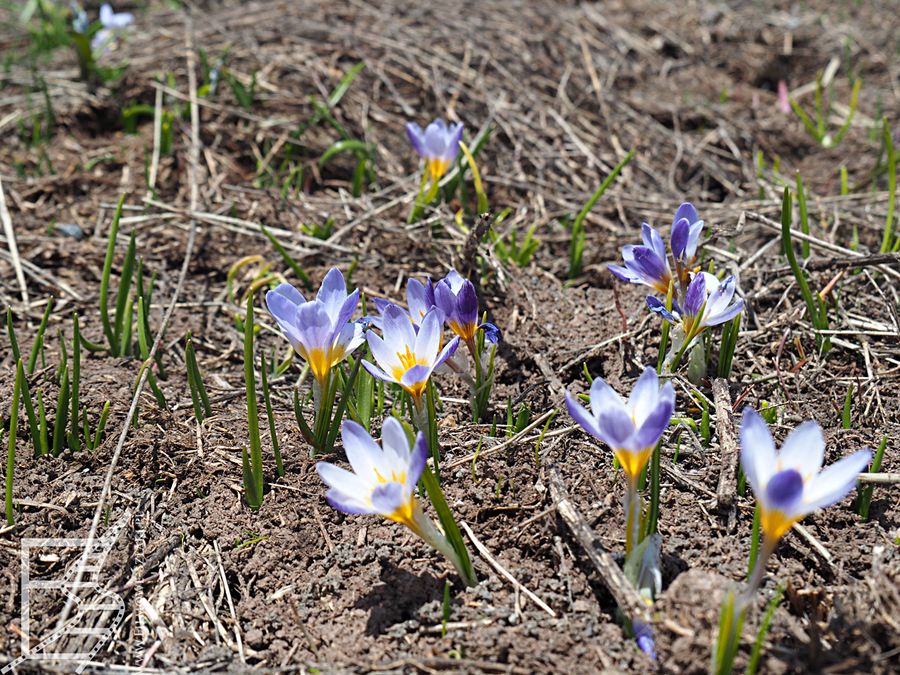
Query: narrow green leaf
(338,92)
(124,300)
(289,261)
(38,343)
(104,278)
(578,234)
(449,525)
(62,413)
(270,415)
(75,438)
(753,664)
(256,489)
(11,446)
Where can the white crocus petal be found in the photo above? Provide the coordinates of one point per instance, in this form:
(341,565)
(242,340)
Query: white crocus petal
(836,481)
(352,490)
(362,452)
(644,397)
(604,398)
(333,291)
(428,341)
(384,355)
(585,419)
(395,444)
(757,451)
(351,336)
(803,450)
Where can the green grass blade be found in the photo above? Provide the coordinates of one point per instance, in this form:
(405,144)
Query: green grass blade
(124,300)
(104,278)
(255,487)
(270,415)
(75,437)
(42,423)
(62,413)
(338,416)
(804,215)
(101,426)
(11,446)
(338,92)
(39,338)
(289,261)
(199,396)
(11,331)
(813,308)
(846,420)
(753,664)
(577,247)
(845,127)
(865,497)
(448,523)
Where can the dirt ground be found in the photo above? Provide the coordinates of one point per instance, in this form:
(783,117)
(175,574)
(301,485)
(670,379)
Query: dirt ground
(566,88)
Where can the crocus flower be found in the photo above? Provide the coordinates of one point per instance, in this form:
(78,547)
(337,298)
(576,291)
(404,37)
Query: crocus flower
(456,298)
(419,300)
(79,18)
(111,22)
(438,145)
(319,330)
(383,480)
(645,264)
(684,239)
(631,429)
(406,357)
(789,483)
(707,302)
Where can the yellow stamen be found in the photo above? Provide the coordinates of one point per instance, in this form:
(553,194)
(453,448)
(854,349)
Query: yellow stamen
(633,462)
(319,363)
(466,331)
(775,523)
(436,168)
(395,478)
(405,514)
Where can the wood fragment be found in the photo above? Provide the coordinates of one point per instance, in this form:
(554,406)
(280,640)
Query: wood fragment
(13,248)
(625,595)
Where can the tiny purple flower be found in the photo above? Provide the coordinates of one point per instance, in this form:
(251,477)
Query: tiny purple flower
(438,145)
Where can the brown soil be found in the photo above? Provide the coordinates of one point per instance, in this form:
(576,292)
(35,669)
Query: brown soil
(298,586)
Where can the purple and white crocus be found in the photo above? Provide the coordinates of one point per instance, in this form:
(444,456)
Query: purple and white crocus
(457,299)
(111,23)
(419,300)
(438,145)
(405,356)
(707,302)
(647,264)
(383,481)
(320,330)
(684,240)
(631,429)
(789,483)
